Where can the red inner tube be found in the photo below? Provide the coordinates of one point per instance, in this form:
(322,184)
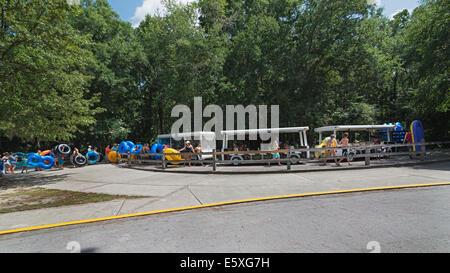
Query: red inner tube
(44,153)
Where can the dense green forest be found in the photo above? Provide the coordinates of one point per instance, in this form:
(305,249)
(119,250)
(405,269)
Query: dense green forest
(79,74)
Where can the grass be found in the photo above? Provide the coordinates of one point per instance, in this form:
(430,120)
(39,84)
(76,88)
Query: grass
(39,198)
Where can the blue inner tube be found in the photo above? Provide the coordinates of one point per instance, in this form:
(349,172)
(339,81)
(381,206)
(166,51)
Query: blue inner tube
(51,162)
(38,161)
(123,147)
(33,160)
(92,157)
(157,148)
(129,147)
(137,149)
(22,160)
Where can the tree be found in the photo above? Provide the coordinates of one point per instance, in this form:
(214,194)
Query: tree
(42,84)
(428,62)
(115,68)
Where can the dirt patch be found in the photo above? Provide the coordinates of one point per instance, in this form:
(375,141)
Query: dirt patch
(21,199)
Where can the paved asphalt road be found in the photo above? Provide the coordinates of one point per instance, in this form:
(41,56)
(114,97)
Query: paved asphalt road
(407,220)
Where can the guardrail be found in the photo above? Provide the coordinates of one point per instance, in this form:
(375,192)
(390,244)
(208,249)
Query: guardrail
(288,156)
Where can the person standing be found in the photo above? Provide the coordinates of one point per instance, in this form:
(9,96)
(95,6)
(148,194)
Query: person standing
(408,140)
(276,147)
(345,151)
(107,150)
(75,153)
(6,164)
(198,151)
(146,148)
(61,163)
(187,151)
(331,143)
(12,161)
(2,165)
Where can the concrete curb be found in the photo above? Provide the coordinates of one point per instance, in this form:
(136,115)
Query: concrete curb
(227,203)
(406,164)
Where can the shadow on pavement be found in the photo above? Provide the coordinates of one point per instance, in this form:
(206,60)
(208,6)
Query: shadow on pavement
(30,179)
(441,166)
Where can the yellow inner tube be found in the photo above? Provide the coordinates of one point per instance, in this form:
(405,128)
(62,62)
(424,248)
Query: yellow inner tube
(172,157)
(412,135)
(112,156)
(324,145)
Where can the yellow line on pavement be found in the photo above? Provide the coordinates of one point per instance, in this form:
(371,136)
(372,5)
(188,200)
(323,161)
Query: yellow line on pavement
(219,204)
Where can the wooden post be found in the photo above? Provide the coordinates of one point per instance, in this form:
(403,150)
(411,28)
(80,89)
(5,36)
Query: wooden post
(289,161)
(163,157)
(367,156)
(117,157)
(422,155)
(214,160)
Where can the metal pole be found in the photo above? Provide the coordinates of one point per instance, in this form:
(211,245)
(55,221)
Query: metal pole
(129,159)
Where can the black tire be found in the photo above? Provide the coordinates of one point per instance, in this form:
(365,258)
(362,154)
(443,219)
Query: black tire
(294,159)
(63,149)
(236,161)
(350,157)
(79,160)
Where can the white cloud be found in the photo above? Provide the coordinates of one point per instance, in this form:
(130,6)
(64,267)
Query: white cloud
(149,7)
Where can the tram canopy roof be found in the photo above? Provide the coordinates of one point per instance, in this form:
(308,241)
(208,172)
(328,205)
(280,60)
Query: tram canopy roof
(265,131)
(353,128)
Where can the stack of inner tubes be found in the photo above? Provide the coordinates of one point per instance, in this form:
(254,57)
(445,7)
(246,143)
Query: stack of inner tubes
(64,150)
(129,147)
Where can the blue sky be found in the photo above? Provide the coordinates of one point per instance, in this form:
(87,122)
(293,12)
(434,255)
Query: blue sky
(134,10)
